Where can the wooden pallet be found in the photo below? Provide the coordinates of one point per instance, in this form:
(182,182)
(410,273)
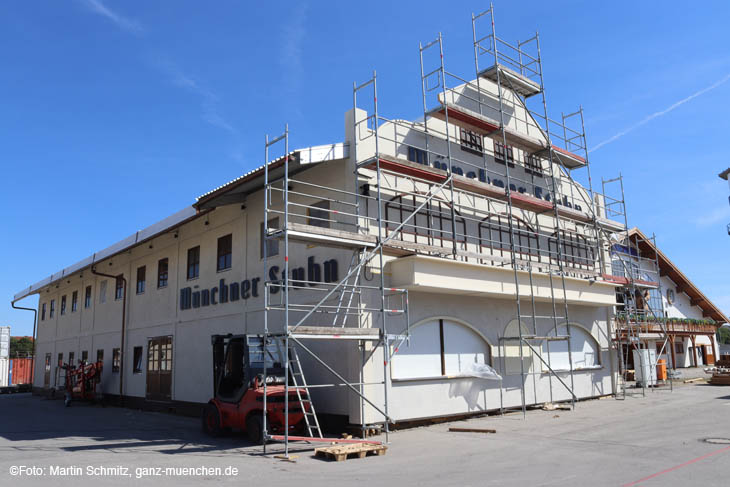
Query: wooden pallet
(339,453)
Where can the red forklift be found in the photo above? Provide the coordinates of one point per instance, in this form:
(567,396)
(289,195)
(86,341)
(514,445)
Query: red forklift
(238,389)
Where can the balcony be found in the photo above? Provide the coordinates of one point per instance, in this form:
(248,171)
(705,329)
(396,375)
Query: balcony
(674,326)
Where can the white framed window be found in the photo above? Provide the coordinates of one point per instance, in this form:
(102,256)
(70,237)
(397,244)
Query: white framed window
(439,347)
(585,351)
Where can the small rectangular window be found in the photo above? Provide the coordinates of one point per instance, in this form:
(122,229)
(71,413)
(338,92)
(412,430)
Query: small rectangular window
(162,273)
(271,245)
(53,308)
(319,214)
(87,297)
(102,292)
(679,347)
(137,360)
(71,358)
(84,355)
(499,154)
(100,355)
(225,252)
(74,301)
(116,359)
(60,359)
(141,279)
(48,362)
(419,156)
(471,142)
(63,304)
(533,164)
(194,262)
(43,311)
(119,288)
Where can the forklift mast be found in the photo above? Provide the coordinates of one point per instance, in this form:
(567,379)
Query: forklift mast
(238,359)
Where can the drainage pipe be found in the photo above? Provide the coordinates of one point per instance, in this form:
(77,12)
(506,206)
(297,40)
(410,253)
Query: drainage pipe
(124,321)
(32,359)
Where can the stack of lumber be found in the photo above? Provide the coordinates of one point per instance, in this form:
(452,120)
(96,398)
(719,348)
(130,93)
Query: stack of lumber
(721,373)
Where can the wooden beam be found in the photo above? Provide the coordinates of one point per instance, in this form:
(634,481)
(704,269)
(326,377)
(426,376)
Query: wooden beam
(696,302)
(472,430)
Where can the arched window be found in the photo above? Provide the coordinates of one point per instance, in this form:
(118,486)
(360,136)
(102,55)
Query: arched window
(511,349)
(585,351)
(431,225)
(577,251)
(440,347)
(494,237)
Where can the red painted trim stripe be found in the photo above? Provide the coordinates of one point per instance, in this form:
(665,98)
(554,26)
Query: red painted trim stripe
(569,154)
(677,467)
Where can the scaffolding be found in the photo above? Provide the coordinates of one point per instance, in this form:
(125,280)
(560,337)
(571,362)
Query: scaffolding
(638,318)
(410,193)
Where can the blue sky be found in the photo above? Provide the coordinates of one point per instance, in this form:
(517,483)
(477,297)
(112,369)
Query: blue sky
(116,114)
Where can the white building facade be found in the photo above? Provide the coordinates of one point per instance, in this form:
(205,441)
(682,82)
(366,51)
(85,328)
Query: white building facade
(492,254)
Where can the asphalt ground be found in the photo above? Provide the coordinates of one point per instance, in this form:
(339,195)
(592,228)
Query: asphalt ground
(666,438)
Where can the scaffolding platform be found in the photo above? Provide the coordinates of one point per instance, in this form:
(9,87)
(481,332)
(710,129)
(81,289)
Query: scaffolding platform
(333,333)
(483,125)
(512,80)
(327,236)
(397,166)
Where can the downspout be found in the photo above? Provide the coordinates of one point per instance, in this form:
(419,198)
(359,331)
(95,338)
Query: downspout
(124,311)
(32,359)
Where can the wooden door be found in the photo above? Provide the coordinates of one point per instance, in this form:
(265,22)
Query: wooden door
(159,368)
(708,354)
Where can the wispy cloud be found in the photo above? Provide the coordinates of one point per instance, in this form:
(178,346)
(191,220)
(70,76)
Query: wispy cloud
(124,23)
(660,113)
(714,217)
(293,33)
(209,100)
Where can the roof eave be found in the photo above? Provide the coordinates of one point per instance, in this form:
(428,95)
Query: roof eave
(709,308)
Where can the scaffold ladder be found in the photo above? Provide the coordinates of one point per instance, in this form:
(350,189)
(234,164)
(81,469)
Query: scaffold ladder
(306,404)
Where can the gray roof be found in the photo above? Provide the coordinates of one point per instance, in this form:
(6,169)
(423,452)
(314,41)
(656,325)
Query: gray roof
(145,234)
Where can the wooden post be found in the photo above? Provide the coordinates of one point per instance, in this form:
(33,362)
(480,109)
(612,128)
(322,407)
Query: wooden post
(694,351)
(674,358)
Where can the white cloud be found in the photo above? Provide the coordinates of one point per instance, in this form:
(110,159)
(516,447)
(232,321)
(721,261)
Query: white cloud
(293,33)
(660,113)
(209,100)
(124,23)
(714,217)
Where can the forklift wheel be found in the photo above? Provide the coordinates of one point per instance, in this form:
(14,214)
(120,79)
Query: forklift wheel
(211,420)
(254,429)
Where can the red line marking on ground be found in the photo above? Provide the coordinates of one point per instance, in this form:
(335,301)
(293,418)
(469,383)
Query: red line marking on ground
(676,467)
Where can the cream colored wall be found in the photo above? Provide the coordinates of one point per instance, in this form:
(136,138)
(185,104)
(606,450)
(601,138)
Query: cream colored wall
(412,399)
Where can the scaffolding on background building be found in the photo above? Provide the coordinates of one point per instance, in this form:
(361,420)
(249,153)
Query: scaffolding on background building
(637,317)
(426,198)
